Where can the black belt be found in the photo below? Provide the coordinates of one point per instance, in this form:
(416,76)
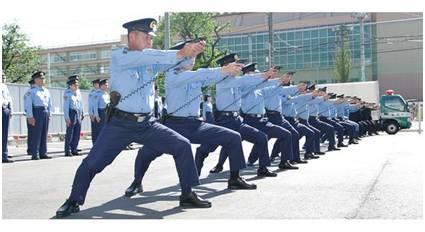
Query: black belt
(131,116)
(254,115)
(180,118)
(40,107)
(272,112)
(228,113)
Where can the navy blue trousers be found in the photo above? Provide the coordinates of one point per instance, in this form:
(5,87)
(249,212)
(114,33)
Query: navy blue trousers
(209,117)
(119,133)
(338,127)
(283,136)
(29,137)
(304,131)
(247,132)
(72,136)
(315,131)
(198,132)
(102,122)
(39,132)
(324,128)
(5,131)
(277,119)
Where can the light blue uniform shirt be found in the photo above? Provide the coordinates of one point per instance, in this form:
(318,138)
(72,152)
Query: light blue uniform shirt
(229,91)
(101,100)
(37,97)
(313,106)
(184,90)
(300,104)
(288,108)
(132,69)
(253,102)
(274,102)
(91,100)
(72,101)
(341,108)
(324,108)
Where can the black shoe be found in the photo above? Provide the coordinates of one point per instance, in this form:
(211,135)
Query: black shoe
(263,171)
(76,153)
(240,183)
(35,158)
(134,189)
(218,168)
(249,164)
(353,142)
(78,150)
(342,145)
(376,133)
(7,161)
(319,153)
(67,209)
(68,154)
(287,166)
(193,201)
(129,147)
(45,157)
(333,149)
(298,162)
(308,156)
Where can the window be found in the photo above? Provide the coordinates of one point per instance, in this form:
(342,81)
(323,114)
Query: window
(78,56)
(394,103)
(105,54)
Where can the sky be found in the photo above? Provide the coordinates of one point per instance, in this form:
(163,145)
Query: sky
(62,23)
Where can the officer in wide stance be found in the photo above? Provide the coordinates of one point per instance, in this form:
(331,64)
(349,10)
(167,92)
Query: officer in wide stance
(133,72)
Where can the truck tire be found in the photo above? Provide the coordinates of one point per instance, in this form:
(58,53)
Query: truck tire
(391,128)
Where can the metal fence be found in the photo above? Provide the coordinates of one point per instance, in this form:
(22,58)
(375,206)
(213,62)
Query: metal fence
(57,126)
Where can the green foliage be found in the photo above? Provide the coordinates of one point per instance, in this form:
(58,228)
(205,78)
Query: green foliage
(186,26)
(85,83)
(20,59)
(343,57)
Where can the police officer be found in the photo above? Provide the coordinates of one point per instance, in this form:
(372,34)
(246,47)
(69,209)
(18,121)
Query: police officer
(253,111)
(313,120)
(133,71)
(92,99)
(342,107)
(29,127)
(228,104)
(289,112)
(324,109)
(183,90)
(207,111)
(6,109)
(273,106)
(301,108)
(38,109)
(73,113)
(102,99)
(157,109)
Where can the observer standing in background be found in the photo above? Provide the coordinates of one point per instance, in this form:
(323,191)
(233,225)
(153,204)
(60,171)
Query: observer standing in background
(6,109)
(38,109)
(73,113)
(102,99)
(29,127)
(207,109)
(92,98)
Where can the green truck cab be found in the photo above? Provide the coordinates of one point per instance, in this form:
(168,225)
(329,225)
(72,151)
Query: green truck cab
(394,112)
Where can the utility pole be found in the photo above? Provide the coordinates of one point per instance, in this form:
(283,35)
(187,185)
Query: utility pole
(166,31)
(270,22)
(361,17)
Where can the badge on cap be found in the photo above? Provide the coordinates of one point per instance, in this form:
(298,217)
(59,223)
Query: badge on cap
(152,25)
(236,57)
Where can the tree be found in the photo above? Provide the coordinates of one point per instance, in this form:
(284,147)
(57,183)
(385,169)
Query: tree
(20,59)
(85,83)
(186,26)
(343,56)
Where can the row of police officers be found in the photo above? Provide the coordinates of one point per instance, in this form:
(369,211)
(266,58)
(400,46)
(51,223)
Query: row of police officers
(253,107)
